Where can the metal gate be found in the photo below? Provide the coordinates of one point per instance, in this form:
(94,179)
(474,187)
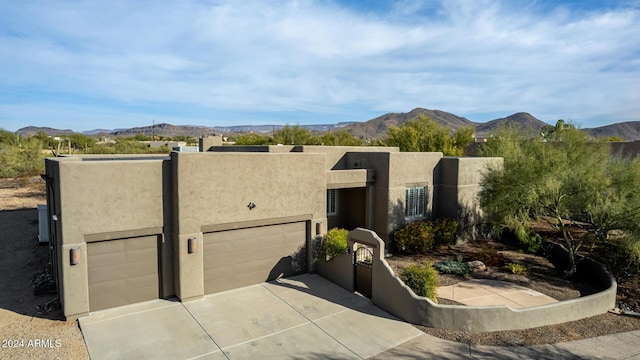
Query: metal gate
(363,262)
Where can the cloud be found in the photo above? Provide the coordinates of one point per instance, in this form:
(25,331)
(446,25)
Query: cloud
(295,58)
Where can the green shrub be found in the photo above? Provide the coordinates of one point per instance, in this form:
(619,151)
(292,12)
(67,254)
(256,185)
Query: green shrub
(335,244)
(446,230)
(516,268)
(452,267)
(489,255)
(414,238)
(23,159)
(422,279)
(528,240)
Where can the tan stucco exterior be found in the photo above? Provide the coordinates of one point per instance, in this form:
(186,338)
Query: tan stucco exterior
(185,196)
(391,294)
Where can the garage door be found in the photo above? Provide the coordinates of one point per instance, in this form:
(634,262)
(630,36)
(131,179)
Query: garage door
(122,271)
(236,258)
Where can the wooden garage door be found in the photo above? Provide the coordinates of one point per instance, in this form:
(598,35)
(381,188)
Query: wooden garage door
(243,257)
(122,271)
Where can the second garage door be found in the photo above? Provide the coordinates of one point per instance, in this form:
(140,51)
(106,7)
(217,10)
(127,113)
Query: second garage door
(236,258)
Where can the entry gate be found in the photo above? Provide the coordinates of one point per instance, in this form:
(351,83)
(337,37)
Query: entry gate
(363,262)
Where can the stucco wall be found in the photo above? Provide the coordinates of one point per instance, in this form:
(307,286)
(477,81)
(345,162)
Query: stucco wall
(337,157)
(215,188)
(410,170)
(391,294)
(206,142)
(377,192)
(457,187)
(212,192)
(103,199)
(188,194)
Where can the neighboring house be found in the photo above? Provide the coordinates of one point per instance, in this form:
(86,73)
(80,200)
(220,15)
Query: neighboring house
(131,228)
(161,143)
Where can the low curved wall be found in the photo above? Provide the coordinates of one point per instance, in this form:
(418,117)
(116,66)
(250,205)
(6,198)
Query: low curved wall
(392,295)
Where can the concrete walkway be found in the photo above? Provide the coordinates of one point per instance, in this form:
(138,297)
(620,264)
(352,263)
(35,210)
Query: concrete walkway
(300,317)
(618,346)
(485,292)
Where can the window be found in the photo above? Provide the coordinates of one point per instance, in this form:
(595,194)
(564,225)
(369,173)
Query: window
(414,203)
(331,201)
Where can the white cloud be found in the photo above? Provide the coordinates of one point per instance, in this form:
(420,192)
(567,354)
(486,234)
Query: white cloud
(466,57)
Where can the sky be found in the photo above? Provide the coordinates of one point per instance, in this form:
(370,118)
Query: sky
(87,65)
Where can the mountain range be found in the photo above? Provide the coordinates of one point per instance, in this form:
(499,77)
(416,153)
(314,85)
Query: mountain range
(374,128)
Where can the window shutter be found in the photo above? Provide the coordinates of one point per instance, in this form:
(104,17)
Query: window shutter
(420,201)
(409,203)
(415,201)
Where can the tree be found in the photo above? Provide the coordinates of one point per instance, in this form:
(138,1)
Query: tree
(611,138)
(45,139)
(555,133)
(574,184)
(7,137)
(425,135)
(253,139)
(293,135)
(23,159)
(339,138)
(81,141)
(142,137)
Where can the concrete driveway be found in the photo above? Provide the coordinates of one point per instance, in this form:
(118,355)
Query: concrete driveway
(300,317)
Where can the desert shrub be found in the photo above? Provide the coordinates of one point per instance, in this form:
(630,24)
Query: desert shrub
(422,279)
(488,254)
(445,230)
(516,268)
(23,159)
(335,244)
(528,240)
(452,267)
(414,238)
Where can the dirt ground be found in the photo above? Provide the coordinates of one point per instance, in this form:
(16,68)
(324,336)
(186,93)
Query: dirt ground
(542,277)
(26,331)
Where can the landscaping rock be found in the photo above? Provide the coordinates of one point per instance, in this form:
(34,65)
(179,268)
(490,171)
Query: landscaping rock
(476,266)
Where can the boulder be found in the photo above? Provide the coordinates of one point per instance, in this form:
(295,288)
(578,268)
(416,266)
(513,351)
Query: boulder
(476,266)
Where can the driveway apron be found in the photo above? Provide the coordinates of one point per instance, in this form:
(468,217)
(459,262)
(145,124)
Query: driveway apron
(300,317)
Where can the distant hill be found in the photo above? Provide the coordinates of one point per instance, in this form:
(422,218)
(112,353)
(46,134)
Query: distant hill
(96,132)
(374,128)
(627,131)
(176,130)
(32,130)
(378,127)
(164,130)
(522,119)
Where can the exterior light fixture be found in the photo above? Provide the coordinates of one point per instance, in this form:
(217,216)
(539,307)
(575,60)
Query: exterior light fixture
(192,245)
(251,205)
(74,256)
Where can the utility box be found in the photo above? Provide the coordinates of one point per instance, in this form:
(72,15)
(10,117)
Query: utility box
(43,224)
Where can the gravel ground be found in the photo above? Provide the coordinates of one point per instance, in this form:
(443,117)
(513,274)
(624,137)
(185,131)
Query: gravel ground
(26,333)
(542,277)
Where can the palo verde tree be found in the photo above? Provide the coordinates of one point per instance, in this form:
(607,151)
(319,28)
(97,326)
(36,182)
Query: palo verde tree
(425,135)
(574,184)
